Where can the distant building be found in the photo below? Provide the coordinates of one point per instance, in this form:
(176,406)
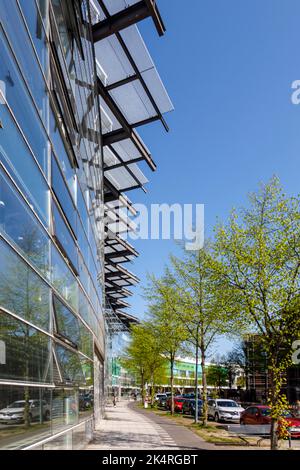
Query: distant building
(257,376)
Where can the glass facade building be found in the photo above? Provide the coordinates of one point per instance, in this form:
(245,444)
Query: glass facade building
(55,197)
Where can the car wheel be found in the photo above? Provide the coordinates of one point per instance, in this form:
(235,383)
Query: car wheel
(242,422)
(216,418)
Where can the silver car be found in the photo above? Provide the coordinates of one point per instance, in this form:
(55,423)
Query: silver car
(224,410)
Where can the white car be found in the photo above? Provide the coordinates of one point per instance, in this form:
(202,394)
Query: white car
(14,413)
(159,396)
(224,410)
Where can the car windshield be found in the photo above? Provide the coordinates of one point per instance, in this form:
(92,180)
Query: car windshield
(17,404)
(228,404)
(265,411)
(287,414)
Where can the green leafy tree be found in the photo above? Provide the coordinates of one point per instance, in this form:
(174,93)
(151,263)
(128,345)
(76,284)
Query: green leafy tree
(165,322)
(201,309)
(258,253)
(217,376)
(143,357)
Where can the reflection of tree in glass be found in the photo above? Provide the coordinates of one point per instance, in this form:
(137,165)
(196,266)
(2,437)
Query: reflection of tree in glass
(24,293)
(21,290)
(27,356)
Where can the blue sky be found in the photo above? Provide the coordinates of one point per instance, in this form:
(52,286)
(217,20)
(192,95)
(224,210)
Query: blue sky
(228,67)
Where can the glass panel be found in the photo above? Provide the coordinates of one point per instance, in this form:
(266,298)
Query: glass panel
(84,274)
(63,279)
(88,371)
(27,352)
(63,235)
(21,290)
(63,195)
(86,341)
(20,225)
(27,60)
(35,27)
(67,323)
(24,415)
(84,307)
(82,241)
(86,403)
(79,437)
(63,442)
(62,156)
(18,99)
(70,365)
(17,159)
(64,409)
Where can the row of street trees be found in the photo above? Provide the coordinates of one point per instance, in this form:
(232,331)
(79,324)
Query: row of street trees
(245,281)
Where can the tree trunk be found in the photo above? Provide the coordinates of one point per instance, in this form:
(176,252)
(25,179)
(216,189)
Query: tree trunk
(152,390)
(143,387)
(196,380)
(172,384)
(274,437)
(274,421)
(27,420)
(204,384)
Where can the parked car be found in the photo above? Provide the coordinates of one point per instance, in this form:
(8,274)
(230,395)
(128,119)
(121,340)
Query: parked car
(14,413)
(189,395)
(159,396)
(224,410)
(188,407)
(261,414)
(257,414)
(178,402)
(162,402)
(293,423)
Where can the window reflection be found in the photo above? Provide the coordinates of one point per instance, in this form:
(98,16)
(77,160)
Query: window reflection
(27,352)
(24,415)
(65,408)
(18,160)
(63,279)
(22,228)
(86,341)
(67,323)
(61,153)
(35,27)
(86,402)
(70,366)
(63,195)
(64,238)
(22,47)
(21,289)
(18,99)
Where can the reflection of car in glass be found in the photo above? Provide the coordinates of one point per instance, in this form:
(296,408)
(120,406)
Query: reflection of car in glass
(85,401)
(14,413)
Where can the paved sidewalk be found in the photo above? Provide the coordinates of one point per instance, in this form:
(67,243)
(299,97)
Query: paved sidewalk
(128,427)
(125,429)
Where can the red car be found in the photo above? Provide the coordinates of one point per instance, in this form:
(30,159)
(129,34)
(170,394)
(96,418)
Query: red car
(257,414)
(178,402)
(260,414)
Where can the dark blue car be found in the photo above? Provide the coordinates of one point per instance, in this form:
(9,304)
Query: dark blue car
(188,407)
